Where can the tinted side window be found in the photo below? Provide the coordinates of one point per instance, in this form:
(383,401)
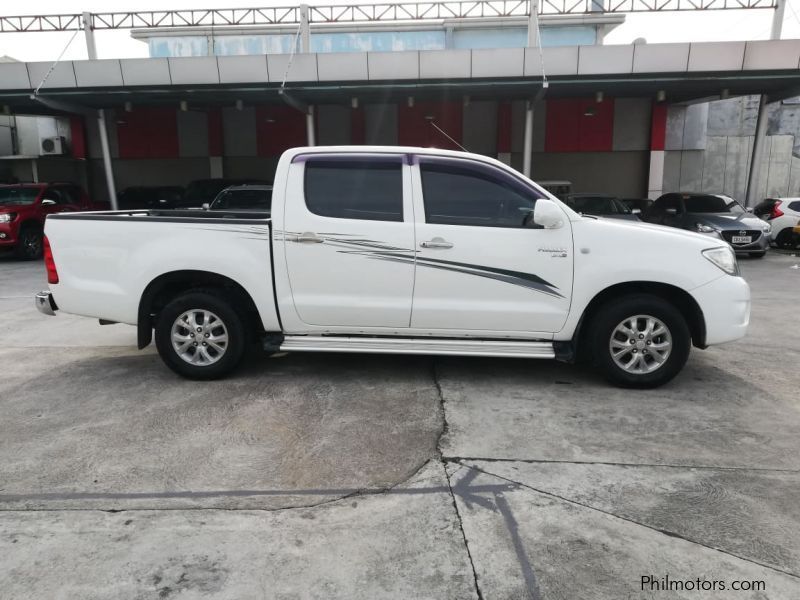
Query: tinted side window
(795,206)
(456,194)
(355,189)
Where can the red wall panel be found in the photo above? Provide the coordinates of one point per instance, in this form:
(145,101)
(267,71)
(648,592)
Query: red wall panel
(215,142)
(279,128)
(562,133)
(148,133)
(579,125)
(596,131)
(504,126)
(78,135)
(658,128)
(414,129)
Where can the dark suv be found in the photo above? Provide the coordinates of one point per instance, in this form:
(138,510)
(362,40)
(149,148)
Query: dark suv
(24,207)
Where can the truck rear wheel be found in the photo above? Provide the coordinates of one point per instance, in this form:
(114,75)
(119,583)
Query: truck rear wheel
(199,335)
(640,341)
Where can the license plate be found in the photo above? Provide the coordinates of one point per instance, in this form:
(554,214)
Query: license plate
(742,239)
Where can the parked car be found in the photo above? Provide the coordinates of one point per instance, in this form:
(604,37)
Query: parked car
(714,215)
(599,205)
(157,196)
(243,197)
(782,214)
(637,205)
(491,264)
(560,188)
(24,206)
(203,191)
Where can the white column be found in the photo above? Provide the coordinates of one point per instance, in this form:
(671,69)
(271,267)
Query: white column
(91,49)
(305,32)
(777,20)
(758,153)
(533,25)
(310,137)
(527,151)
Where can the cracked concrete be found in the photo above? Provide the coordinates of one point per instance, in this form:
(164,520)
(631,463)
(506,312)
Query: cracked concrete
(383,477)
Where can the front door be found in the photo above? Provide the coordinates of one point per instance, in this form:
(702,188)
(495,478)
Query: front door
(348,240)
(483,269)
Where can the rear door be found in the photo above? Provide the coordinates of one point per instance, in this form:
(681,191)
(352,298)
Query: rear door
(348,241)
(482,270)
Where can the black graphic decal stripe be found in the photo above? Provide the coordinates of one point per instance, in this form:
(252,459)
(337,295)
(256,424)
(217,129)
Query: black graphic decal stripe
(353,244)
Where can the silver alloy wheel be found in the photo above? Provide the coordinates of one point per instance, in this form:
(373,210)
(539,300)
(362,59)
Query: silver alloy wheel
(199,337)
(640,344)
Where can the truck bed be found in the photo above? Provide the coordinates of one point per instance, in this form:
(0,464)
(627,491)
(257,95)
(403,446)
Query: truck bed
(106,260)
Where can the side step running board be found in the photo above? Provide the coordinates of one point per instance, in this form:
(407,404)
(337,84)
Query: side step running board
(387,345)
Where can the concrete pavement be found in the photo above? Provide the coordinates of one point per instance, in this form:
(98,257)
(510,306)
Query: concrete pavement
(322,476)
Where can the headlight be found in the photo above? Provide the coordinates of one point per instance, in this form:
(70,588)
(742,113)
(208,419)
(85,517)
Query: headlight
(7,217)
(724,257)
(700,227)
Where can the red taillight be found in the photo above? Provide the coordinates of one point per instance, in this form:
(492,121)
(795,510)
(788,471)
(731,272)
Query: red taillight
(775,212)
(49,263)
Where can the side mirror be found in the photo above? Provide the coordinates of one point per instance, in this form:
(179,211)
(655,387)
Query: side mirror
(547,214)
(671,211)
(48,202)
(206,206)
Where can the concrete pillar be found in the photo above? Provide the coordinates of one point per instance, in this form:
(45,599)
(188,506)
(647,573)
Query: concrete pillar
(533,25)
(305,30)
(91,49)
(777,20)
(758,153)
(527,149)
(310,136)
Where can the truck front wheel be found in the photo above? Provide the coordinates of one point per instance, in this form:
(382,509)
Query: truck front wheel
(640,340)
(200,336)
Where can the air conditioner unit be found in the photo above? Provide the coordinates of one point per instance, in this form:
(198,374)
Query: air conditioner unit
(54,146)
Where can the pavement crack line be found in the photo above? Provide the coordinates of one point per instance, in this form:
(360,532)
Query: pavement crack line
(443,462)
(615,464)
(632,521)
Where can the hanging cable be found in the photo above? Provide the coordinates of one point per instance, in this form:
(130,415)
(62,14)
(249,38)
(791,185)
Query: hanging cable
(53,66)
(291,55)
(535,6)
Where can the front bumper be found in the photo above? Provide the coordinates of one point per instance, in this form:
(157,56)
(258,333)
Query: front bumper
(725,303)
(760,245)
(45,303)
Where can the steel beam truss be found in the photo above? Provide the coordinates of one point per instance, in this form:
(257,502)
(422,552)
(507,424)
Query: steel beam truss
(361,13)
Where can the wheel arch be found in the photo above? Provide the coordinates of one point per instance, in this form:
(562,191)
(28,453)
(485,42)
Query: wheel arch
(680,298)
(168,285)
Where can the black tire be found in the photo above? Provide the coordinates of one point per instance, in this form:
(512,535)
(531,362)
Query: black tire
(758,254)
(785,239)
(613,313)
(30,243)
(223,308)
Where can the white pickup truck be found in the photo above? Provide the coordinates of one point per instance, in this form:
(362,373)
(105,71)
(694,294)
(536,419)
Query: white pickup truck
(402,251)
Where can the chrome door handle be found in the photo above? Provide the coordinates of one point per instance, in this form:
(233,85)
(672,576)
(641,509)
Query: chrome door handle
(308,237)
(436,242)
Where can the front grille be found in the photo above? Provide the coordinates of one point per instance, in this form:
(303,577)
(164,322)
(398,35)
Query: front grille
(753,233)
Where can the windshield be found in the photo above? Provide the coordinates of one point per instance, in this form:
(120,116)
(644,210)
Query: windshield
(243,200)
(712,204)
(16,196)
(599,205)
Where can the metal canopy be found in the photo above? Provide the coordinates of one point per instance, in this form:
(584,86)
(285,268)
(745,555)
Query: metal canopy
(361,13)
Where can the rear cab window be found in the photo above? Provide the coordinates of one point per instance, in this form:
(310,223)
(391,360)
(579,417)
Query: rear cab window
(366,188)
